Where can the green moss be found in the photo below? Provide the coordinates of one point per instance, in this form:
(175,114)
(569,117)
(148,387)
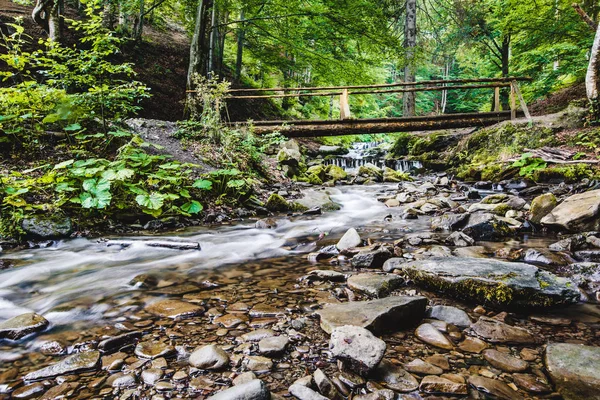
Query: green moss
(277,203)
(570,173)
(314,179)
(319,171)
(336,173)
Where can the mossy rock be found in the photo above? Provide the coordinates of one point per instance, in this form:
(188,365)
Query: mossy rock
(402,145)
(319,171)
(390,175)
(569,173)
(336,173)
(276,203)
(541,206)
(371,171)
(314,179)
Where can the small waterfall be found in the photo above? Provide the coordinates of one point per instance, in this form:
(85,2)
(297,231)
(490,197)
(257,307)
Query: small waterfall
(362,153)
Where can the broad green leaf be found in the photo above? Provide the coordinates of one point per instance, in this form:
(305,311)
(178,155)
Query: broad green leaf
(202,184)
(192,207)
(64,164)
(153,201)
(72,127)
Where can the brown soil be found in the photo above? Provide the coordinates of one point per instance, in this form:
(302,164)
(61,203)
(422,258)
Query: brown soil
(558,101)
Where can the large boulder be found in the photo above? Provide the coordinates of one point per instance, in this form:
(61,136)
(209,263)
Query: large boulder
(576,213)
(371,172)
(494,282)
(542,206)
(335,173)
(487,227)
(47,228)
(382,315)
(313,198)
(575,370)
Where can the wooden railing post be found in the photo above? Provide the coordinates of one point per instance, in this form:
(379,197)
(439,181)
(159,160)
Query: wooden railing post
(513,102)
(344,105)
(497,98)
(517,90)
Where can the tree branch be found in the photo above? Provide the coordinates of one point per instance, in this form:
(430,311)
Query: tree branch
(586,18)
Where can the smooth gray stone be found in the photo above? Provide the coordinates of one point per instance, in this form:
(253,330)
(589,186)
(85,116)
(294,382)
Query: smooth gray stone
(253,390)
(71,364)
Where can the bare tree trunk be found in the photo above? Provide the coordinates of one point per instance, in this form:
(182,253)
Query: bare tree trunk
(410,42)
(46,14)
(198,46)
(222,37)
(240,46)
(138,28)
(591,78)
(213,41)
(108,16)
(505,69)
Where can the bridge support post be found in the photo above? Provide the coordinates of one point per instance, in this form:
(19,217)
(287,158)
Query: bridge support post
(344,105)
(515,86)
(513,103)
(497,98)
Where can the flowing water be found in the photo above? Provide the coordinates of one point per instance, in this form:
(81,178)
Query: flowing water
(370,153)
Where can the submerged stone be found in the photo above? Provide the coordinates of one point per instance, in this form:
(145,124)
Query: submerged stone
(376,285)
(451,315)
(253,390)
(175,309)
(500,283)
(394,377)
(358,348)
(382,315)
(495,331)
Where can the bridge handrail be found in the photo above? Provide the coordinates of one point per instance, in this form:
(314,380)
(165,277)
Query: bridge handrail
(384,85)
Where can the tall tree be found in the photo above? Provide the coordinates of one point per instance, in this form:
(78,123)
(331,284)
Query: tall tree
(410,42)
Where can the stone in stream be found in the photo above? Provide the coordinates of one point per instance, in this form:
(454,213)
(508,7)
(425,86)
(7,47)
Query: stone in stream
(22,325)
(47,228)
(574,369)
(326,386)
(451,315)
(350,239)
(153,349)
(273,345)
(358,348)
(32,391)
(495,331)
(472,345)
(531,383)
(74,363)
(325,275)
(304,393)
(487,227)
(395,377)
(429,334)
(116,342)
(577,213)
(496,388)
(209,357)
(544,258)
(439,385)
(175,309)
(382,315)
(152,375)
(500,283)
(375,285)
(448,222)
(373,259)
(244,377)
(258,364)
(418,366)
(459,239)
(504,361)
(542,206)
(253,390)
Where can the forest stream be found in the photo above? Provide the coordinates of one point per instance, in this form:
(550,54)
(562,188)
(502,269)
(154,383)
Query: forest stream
(130,315)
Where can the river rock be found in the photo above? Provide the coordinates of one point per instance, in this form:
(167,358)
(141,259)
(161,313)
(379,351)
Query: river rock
(153,349)
(253,390)
(439,385)
(531,383)
(175,309)
(326,386)
(472,345)
(542,206)
(32,391)
(487,227)
(258,364)
(576,213)
(371,171)
(325,275)
(244,377)
(22,325)
(544,258)
(574,369)
(357,348)
(350,239)
(448,222)
(495,331)
(373,259)
(273,345)
(395,377)
(152,375)
(451,315)
(498,389)
(47,228)
(587,276)
(504,284)
(210,357)
(312,198)
(74,363)
(332,150)
(382,315)
(459,239)
(418,366)
(376,285)
(504,361)
(429,334)
(304,393)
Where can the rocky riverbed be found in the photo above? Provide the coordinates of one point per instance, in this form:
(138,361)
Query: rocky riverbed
(424,289)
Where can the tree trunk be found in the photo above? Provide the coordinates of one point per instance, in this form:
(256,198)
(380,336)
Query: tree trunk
(213,40)
(410,41)
(240,47)
(138,29)
(198,46)
(46,14)
(591,78)
(505,69)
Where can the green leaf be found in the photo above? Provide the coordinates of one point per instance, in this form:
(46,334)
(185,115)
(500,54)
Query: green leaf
(153,201)
(72,127)
(236,184)
(64,164)
(192,207)
(118,175)
(202,184)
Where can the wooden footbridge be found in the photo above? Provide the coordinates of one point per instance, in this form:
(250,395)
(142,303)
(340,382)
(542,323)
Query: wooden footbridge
(346,125)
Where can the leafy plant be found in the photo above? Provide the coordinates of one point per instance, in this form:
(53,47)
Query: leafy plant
(529,165)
